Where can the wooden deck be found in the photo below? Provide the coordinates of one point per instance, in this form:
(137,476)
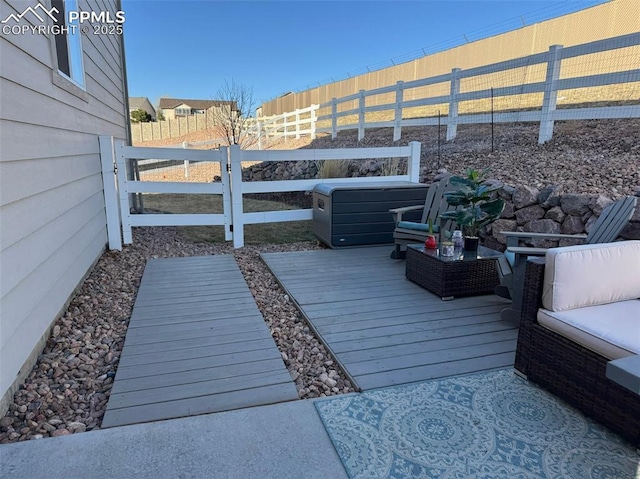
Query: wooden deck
(386,330)
(196,344)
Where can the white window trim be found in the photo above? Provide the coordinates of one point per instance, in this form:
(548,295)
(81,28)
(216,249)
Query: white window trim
(62,80)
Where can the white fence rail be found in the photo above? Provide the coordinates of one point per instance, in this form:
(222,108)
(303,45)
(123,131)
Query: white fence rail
(115,157)
(290,124)
(546,115)
(238,187)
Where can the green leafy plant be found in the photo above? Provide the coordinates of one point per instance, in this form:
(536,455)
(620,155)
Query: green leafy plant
(475,208)
(140,116)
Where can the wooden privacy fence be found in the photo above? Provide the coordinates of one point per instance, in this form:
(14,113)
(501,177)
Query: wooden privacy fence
(539,74)
(118,187)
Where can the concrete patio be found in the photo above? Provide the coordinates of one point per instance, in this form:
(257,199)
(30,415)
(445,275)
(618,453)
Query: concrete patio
(281,441)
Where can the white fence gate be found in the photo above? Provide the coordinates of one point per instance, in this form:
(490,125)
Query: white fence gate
(118,187)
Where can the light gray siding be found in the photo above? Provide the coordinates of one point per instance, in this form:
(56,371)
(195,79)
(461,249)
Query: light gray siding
(52,219)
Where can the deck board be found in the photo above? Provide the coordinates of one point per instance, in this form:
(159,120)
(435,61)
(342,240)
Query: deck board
(385,330)
(196,344)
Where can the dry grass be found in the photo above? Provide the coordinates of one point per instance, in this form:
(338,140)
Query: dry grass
(272,233)
(333,168)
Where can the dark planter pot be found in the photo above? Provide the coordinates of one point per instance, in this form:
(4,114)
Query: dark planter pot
(471,243)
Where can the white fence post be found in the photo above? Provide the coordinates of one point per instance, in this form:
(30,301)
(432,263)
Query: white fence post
(452,126)
(285,122)
(110,193)
(236,196)
(361,116)
(334,118)
(550,94)
(226,191)
(413,162)
(297,123)
(123,193)
(397,125)
(314,119)
(185,145)
(259,129)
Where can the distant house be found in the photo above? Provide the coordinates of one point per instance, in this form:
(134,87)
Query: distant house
(141,103)
(173,108)
(58,93)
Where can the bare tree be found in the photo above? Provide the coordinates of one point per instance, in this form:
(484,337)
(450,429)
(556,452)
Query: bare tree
(231,117)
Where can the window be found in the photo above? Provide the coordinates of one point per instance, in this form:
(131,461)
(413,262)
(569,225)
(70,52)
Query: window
(183,111)
(68,42)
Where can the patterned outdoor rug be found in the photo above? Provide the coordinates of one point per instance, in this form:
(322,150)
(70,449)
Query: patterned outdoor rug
(488,425)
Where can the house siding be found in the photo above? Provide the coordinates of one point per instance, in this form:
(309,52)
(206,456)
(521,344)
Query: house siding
(52,215)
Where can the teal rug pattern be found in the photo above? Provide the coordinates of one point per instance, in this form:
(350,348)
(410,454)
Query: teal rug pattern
(482,426)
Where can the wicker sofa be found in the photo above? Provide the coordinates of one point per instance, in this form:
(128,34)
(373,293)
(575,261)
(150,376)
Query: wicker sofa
(581,309)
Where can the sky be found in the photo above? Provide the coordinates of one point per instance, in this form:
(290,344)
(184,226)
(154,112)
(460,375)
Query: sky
(188,49)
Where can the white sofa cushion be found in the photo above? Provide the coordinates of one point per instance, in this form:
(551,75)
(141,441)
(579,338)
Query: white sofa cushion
(589,275)
(611,330)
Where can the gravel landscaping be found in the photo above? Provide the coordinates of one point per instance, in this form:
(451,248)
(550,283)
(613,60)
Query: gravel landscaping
(68,389)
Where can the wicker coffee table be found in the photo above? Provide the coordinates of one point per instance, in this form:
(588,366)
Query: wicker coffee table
(464,274)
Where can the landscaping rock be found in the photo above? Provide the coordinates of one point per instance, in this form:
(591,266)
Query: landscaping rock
(508,211)
(502,225)
(572,225)
(574,204)
(72,379)
(556,214)
(544,226)
(529,213)
(599,203)
(524,196)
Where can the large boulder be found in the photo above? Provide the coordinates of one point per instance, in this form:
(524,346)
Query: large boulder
(574,204)
(508,211)
(572,225)
(599,203)
(543,226)
(631,231)
(556,214)
(502,225)
(506,192)
(549,196)
(529,213)
(524,196)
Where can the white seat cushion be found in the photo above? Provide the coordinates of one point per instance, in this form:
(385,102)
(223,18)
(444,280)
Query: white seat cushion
(611,330)
(589,275)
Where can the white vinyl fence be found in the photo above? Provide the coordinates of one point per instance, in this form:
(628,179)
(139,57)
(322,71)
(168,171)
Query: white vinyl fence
(545,113)
(118,188)
(291,124)
(115,157)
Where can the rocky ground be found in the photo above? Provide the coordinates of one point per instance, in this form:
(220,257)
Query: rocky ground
(594,157)
(68,389)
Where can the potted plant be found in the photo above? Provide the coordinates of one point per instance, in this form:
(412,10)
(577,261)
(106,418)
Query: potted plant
(475,208)
(431,242)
